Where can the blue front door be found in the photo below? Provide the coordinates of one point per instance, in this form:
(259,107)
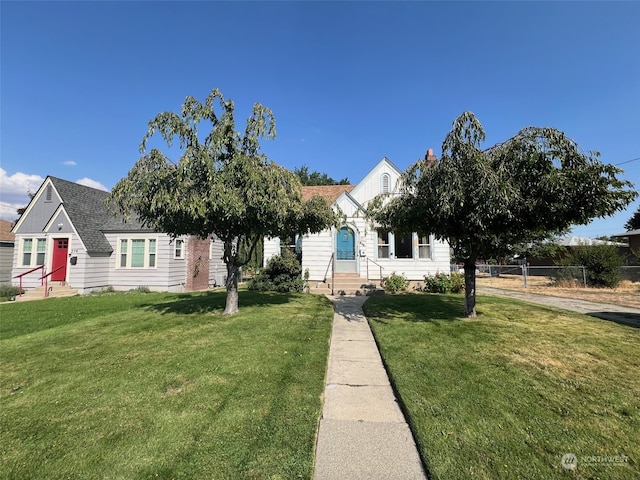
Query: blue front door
(345,250)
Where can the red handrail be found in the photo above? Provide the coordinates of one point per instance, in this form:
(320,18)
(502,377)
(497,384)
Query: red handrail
(27,273)
(46,279)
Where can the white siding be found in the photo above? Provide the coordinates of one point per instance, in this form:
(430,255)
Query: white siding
(167,275)
(271,248)
(316,255)
(6,261)
(371,184)
(217,268)
(90,273)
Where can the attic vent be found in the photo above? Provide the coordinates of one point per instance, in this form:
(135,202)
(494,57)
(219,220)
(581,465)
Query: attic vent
(48,194)
(385,183)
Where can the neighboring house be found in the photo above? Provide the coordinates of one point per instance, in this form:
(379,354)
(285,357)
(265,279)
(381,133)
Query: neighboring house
(7,240)
(67,232)
(575,241)
(358,248)
(633,241)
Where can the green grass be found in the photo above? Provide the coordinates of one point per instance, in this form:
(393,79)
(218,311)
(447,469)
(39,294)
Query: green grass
(507,394)
(144,386)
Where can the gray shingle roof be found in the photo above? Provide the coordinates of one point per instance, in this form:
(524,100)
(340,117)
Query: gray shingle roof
(88,212)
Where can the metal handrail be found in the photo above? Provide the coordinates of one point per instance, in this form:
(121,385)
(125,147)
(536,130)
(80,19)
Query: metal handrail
(333,271)
(375,263)
(46,279)
(27,273)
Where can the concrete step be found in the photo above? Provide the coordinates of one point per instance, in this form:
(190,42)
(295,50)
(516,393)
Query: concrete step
(346,284)
(55,290)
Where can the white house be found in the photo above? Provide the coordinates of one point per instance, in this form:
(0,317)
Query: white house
(67,236)
(359,249)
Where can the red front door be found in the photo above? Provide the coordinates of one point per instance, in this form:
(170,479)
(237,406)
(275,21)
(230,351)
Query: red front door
(60,250)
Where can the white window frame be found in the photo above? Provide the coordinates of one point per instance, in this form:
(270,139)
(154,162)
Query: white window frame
(391,247)
(33,252)
(127,252)
(178,253)
(385,178)
(378,245)
(429,245)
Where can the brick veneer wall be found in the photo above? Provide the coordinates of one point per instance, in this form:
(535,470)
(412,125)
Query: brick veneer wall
(197,264)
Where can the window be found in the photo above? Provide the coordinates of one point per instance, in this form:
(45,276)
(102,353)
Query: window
(31,258)
(41,249)
(27,246)
(383,244)
(385,181)
(403,246)
(137,253)
(152,253)
(123,252)
(179,249)
(424,246)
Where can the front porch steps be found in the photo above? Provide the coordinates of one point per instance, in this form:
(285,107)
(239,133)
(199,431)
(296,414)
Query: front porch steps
(346,284)
(56,290)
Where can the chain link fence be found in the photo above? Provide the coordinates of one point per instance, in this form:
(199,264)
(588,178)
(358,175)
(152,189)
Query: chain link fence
(546,275)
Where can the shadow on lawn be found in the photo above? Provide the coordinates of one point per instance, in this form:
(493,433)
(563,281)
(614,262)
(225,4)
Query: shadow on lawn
(417,308)
(214,301)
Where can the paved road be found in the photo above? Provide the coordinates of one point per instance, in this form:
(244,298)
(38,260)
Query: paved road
(615,313)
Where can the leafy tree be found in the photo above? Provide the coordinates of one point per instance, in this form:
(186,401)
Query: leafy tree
(634,222)
(530,187)
(221,185)
(317,178)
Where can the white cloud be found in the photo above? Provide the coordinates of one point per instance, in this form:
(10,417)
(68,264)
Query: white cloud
(70,163)
(87,182)
(14,192)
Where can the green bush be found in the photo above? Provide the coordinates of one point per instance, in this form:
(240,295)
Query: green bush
(282,274)
(140,289)
(457,282)
(8,291)
(395,283)
(602,264)
(442,283)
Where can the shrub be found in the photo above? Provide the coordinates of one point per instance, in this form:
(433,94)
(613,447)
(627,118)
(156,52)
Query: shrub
(8,291)
(442,283)
(282,274)
(602,264)
(141,289)
(457,282)
(395,283)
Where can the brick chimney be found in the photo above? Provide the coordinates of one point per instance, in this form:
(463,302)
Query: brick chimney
(430,157)
(197,264)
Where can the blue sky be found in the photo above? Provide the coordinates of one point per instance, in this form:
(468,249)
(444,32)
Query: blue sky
(348,82)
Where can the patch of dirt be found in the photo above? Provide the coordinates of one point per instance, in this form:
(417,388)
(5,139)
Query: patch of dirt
(627,294)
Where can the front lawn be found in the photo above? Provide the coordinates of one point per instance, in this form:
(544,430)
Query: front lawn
(509,393)
(144,386)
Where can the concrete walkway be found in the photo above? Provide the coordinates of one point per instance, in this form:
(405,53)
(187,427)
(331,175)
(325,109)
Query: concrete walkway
(362,434)
(615,313)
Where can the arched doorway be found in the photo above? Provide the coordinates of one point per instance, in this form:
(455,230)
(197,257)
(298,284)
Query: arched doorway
(346,250)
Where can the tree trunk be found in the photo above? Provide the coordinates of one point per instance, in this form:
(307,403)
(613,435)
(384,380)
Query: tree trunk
(233,273)
(469,288)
